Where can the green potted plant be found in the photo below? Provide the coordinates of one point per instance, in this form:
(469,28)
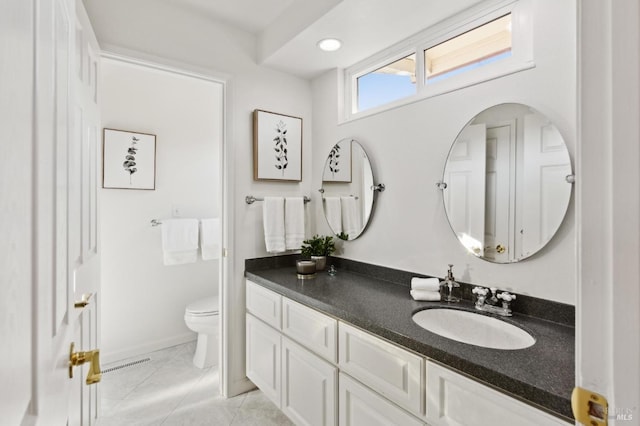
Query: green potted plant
(318,248)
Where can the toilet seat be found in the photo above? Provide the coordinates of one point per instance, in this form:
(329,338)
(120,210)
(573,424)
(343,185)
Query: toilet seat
(204,307)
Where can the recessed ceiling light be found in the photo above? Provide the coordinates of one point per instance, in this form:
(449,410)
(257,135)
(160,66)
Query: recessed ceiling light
(329,44)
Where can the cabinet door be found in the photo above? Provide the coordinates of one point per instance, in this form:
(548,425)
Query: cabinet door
(360,406)
(263,358)
(312,329)
(454,400)
(264,304)
(386,368)
(309,386)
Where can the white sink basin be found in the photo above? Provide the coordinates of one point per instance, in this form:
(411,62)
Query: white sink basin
(474,329)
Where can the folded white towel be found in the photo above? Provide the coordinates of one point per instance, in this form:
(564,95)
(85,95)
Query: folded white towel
(210,238)
(293,222)
(431,284)
(351,221)
(424,295)
(273,219)
(179,241)
(333,213)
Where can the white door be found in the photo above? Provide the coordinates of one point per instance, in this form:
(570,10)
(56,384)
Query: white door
(17,169)
(546,165)
(498,221)
(83,210)
(47,215)
(464,194)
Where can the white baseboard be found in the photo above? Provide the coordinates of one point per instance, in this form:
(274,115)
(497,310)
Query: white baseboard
(239,387)
(147,347)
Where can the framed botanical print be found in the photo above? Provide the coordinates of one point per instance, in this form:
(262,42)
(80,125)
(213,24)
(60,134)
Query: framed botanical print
(337,168)
(128,160)
(277,147)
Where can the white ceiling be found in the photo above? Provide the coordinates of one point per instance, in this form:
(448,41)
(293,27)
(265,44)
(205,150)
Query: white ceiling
(285,31)
(249,15)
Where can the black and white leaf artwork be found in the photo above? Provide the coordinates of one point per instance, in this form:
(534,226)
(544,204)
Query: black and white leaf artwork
(334,159)
(130,159)
(280,148)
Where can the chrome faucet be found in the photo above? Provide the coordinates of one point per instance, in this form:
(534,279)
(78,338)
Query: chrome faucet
(493,304)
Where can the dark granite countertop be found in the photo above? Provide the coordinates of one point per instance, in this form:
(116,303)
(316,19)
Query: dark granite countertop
(542,375)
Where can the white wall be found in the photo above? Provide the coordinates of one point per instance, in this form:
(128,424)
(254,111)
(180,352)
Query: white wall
(143,301)
(259,88)
(608,205)
(251,87)
(408,147)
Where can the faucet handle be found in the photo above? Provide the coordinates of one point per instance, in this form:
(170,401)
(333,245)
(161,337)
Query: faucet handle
(506,296)
(480,291)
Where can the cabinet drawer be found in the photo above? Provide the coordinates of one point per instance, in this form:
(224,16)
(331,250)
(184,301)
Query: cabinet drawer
(360,406)
(453,399)
(263,358)
(309,386)
(264,304)
(391,371)
(310,328)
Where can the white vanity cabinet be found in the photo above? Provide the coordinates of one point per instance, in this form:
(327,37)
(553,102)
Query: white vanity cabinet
(264,304)
(298,376)
(312,329)
(386,368)
(360,406)
(454,400)
(321,371)
(263,358)
(309,386)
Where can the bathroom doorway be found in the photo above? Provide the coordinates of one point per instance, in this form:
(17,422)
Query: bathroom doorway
(143,300)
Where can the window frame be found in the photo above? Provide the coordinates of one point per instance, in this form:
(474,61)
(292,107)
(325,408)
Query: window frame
(521,55)
(389,58)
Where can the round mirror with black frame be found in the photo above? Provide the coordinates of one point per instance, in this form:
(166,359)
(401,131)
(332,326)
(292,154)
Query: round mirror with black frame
(507,183)
(347,189)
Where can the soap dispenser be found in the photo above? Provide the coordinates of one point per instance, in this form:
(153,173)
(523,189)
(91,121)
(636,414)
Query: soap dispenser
(449,288)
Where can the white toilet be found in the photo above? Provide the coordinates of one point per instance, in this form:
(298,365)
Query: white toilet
(202,316)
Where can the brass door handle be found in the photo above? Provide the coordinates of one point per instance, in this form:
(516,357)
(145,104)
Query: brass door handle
(499,248)
(84,301)
(79,358)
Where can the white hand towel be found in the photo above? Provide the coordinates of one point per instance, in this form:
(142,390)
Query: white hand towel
(333,213)
(293,222)
(424,295)
(430,284)
(210,238)
(179,241)
(351,223)
(273,219)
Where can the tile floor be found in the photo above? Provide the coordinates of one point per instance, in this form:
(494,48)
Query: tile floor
(169,390)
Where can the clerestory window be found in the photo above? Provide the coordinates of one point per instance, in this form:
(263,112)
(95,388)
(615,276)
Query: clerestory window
(480,46)
(472,47)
